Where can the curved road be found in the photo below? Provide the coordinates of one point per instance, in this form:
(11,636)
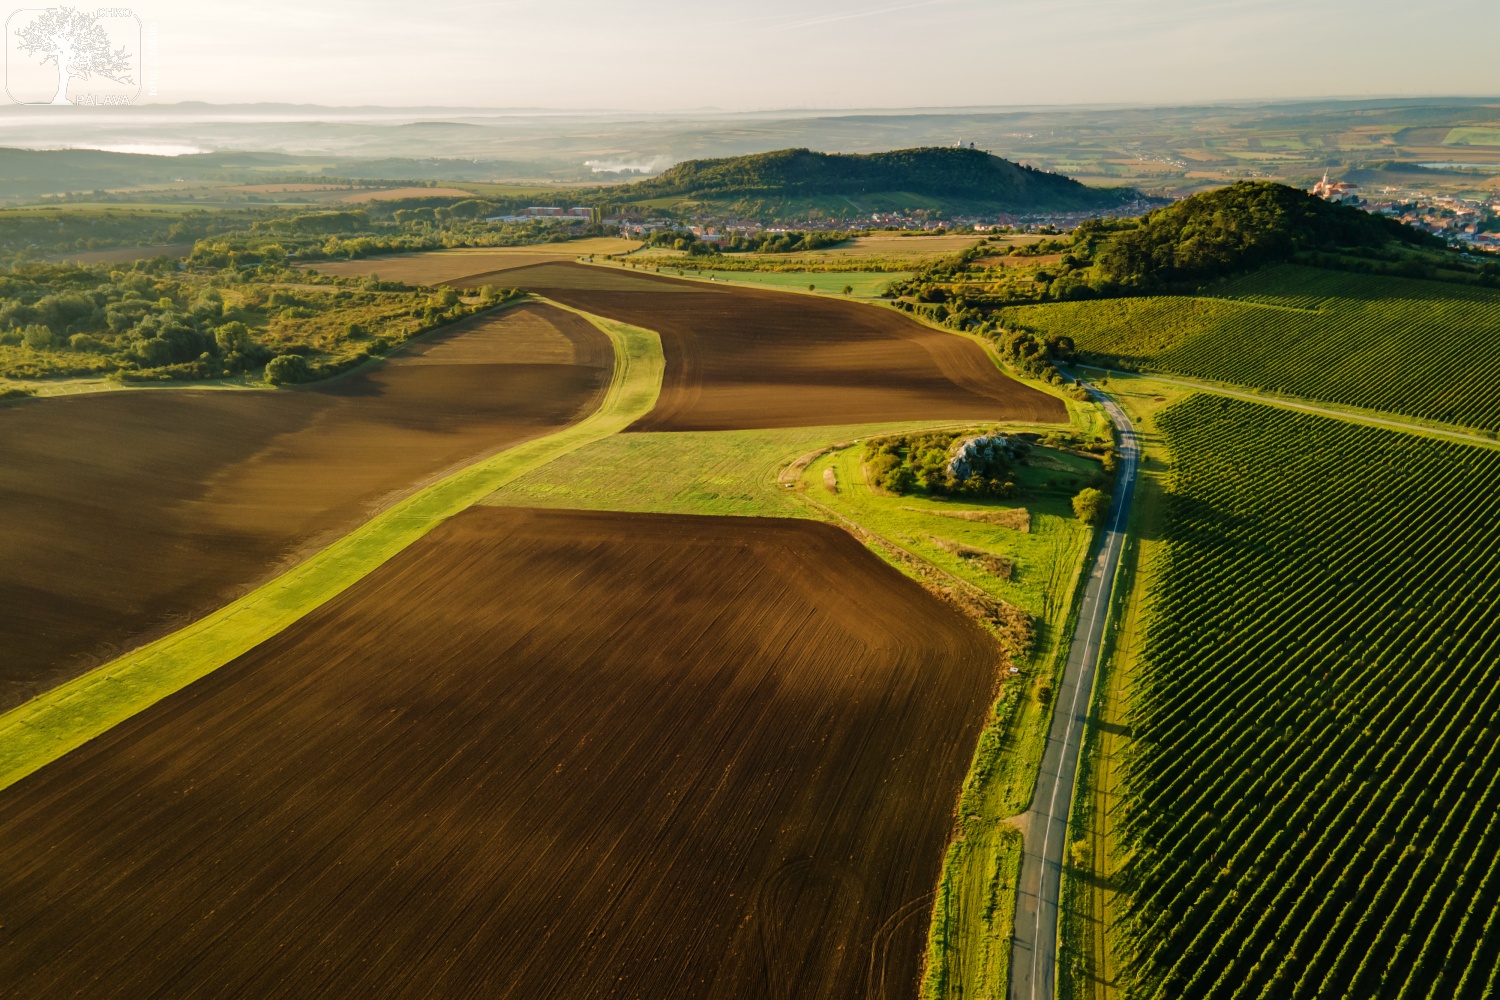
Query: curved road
(1033,954)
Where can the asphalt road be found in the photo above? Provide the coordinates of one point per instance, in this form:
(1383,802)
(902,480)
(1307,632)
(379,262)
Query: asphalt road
(1033,955)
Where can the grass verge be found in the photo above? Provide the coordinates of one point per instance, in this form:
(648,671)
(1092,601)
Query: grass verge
(49,726)
(968,951)
(1088,967)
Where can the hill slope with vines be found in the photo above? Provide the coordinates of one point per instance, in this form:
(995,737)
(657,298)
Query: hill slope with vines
(1314,807)
(1422,348)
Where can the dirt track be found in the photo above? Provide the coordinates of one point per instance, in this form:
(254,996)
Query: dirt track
(540,754)
(129,513)
(742,358)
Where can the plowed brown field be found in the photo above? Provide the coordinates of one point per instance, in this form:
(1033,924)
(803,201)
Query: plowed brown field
(540,754)
(129,513)
(742,358)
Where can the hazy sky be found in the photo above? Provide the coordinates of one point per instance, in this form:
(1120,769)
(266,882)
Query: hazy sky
(743,55)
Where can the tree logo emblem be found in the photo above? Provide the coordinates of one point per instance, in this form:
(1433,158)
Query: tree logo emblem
(65,56)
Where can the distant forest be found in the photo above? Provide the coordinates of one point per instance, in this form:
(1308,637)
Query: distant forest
(959,178)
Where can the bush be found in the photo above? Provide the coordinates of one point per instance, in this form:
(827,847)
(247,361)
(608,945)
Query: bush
(1090,505)
(38,337)
(233,336)
(288,369)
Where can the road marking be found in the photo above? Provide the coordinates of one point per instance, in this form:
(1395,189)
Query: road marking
(1104,566)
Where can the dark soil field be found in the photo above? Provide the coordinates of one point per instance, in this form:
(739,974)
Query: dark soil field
(129,513)
(742,358)
(540,754)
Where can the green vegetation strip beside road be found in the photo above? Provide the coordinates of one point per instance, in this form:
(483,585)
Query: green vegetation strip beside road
(60,720)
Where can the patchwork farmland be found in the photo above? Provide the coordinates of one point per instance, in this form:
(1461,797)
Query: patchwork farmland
(745,358)
(130,513)
(752,721)
(445,744)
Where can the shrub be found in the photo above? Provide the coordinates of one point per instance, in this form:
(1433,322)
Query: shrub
(1090,505)
(38,337)
(287,369)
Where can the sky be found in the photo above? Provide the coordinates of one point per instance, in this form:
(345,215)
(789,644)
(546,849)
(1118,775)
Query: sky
(777,54)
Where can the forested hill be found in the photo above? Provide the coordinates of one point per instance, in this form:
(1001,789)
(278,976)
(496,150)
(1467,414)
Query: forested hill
(1233,229)
(949,175)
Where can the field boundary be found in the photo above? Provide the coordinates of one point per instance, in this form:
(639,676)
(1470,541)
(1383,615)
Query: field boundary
(1301,404)
(52,724)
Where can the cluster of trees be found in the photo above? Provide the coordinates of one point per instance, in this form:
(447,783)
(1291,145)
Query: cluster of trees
(142,318)
(32,234)
(1233,229)
(790,241)
(910,463)
(793,241)
(1036,354)
(151,321)
(1179,248)
(350,235)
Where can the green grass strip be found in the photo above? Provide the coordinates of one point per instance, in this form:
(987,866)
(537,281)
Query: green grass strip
(51,725)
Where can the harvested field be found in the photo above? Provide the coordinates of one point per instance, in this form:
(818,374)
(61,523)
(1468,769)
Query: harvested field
(746,358)
(537,755)
(130,513)
(285,188)
(436,267)
(395,194)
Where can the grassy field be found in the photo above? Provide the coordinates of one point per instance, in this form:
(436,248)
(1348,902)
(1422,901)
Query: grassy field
(865,284)
(68,716)
(1311,795)
(1420,348)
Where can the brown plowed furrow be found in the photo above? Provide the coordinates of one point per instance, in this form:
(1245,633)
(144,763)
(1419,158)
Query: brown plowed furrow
(128,514)
(744,358)
(540,754)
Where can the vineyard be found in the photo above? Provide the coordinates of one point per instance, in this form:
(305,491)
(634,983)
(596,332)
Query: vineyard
(1313,805)
(1422,348)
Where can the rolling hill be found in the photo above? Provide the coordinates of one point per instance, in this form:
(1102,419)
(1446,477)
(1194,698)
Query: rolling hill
(837,184)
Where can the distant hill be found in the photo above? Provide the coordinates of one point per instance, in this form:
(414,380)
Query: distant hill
(945,178)
(1233,229)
